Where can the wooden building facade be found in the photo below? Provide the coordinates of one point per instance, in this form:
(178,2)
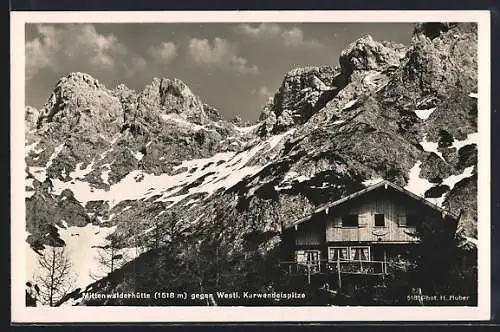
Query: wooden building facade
(362,232)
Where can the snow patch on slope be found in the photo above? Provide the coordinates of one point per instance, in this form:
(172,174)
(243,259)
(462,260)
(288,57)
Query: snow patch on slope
(425,113)
(274,140)
(79,172)
(416,184)
(247,129)
(349,104)
(373,79)
(431,147)
(173,118)
(31,260)
(57,150)
(32,148)
(471,139)
(138,155)
(452,180)
(79,242)
(227,168)
(82,248)
(40,173)
(105,173)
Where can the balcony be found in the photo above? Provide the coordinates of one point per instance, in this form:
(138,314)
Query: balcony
(366,267)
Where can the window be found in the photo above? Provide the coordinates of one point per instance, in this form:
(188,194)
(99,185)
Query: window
(308,256)
(308,260)
(335,253)
(401,220)
(350,220)
(411,220)
(360,253)
(379,220)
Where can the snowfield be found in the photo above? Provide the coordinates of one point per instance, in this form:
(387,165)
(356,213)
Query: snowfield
(222,170)
(428,146)
(452,180)
(471,139)
(79,172)
(419,186)
(431,147)
(424,114)
(416,184)
(79,242)
(82,248)
(176,119)
(32,148)
(247,129)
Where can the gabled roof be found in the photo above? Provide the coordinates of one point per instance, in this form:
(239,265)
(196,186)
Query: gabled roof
(371,188)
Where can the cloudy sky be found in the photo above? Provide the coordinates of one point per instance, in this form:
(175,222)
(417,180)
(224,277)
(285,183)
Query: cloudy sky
(231,66)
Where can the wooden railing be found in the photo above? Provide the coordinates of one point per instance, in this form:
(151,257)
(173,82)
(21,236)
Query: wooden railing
(336,266)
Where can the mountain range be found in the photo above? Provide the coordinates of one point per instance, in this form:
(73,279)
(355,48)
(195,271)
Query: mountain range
(161,170)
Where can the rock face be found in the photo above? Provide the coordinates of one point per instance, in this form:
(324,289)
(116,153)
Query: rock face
(365,54)
(161,159)
(303,92)
(364,66)
(80,102)
(171,96)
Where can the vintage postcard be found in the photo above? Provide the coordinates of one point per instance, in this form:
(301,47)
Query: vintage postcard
(250,166)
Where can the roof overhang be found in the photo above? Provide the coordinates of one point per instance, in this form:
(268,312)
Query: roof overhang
(386,184)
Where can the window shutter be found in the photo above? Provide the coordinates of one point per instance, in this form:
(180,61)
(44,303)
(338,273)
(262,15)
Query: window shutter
(300,256)
(402,220)
(363,220)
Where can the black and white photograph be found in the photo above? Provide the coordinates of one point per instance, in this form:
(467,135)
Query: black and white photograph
(303,164)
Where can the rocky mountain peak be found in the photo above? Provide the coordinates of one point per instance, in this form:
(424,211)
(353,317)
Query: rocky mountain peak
(166,95)
(81,78)
(80,103)
(302,92)
(365,65)
(367,54)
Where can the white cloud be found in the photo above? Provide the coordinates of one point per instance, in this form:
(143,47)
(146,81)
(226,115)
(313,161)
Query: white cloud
(263,91)
(164,53)
(221,54)
(62,45)
(39,50)
(137,64)
(262,30)
(293,37)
